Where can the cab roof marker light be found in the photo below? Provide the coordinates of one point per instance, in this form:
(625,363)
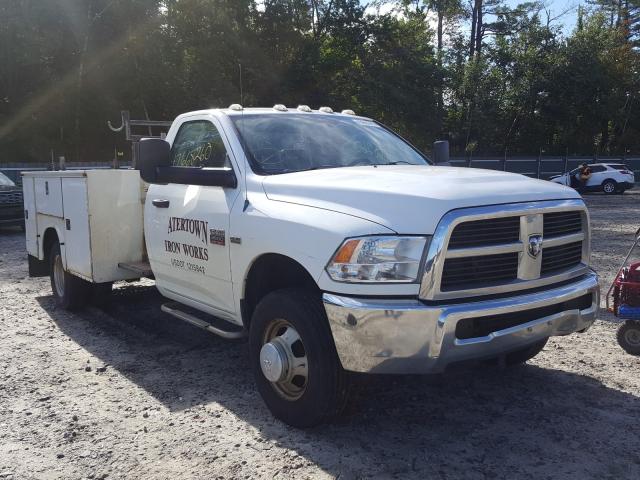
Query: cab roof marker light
(304,108)
(279,107)
(325,110)
(236,107)
(348,112)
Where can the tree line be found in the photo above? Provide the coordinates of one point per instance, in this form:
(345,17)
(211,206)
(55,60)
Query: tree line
(492,79)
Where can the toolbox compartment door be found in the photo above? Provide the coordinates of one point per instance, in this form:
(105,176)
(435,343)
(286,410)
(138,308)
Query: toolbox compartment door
(76,225)
(30,216)
(49,196)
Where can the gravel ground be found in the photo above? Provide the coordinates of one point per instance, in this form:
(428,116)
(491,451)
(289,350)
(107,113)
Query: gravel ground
(131,393)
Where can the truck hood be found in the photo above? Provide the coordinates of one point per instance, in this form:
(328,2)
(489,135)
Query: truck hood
(408,199)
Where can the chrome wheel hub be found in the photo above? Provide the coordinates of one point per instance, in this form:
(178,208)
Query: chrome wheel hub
(609,187)
(273,362)
(283,360)
(58,275)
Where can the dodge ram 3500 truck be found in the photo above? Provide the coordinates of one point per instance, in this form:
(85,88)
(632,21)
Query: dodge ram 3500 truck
(329,241)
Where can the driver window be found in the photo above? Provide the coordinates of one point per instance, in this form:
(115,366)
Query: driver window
(199,144)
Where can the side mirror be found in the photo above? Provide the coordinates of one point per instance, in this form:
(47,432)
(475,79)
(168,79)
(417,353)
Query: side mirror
(441,152)
(153,153)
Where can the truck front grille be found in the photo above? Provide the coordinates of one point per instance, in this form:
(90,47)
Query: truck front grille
(562,223)
(485,232)
(480,270)
(561,257)
(505,248)
(11,198)
(11,213)
(483,326)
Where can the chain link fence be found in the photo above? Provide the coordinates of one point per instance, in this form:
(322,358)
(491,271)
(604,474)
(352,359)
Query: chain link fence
(542,167)
(535,167)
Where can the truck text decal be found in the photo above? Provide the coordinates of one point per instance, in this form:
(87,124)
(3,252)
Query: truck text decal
(192,251)
(198,228)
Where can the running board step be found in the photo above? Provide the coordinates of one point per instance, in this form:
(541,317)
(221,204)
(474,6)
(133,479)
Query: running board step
(139,268)
(178,310)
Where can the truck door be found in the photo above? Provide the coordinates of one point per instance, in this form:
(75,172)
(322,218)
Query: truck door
(187,226)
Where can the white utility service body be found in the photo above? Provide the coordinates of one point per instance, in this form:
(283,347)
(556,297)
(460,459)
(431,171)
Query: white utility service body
(378,262)
(96,215)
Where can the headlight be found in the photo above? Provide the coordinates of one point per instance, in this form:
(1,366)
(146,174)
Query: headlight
(378,259)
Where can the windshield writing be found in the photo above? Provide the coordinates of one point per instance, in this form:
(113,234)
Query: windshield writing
(290,143)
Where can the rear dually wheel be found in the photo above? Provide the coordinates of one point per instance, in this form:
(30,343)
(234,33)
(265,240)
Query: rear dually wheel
(69,291)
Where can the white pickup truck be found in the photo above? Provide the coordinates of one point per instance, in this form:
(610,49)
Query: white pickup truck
(329,241)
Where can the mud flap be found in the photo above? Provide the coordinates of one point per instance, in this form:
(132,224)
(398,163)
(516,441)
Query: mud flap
(38,268)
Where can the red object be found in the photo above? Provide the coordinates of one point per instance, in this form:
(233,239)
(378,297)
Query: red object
(626,287)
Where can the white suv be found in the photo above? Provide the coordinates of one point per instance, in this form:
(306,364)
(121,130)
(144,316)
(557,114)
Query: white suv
(609,178)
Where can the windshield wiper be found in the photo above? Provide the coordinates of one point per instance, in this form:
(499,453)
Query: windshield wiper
(318,167)
(397,162)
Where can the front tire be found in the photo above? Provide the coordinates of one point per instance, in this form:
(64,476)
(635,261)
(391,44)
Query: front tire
(629,337)
(69,291)
(294,359)
(609,187)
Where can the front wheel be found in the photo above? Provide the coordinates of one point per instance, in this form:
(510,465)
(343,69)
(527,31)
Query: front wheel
(69,291)
(629,337)
(294,360)
(609,187)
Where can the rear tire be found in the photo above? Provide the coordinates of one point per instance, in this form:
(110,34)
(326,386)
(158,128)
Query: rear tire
(629,337)
(609,187)
(290,340)
(525,354)
(69,291)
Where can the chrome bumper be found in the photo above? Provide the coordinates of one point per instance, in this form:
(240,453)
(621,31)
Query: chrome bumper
(408,336)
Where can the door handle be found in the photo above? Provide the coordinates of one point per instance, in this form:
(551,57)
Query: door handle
(160,203)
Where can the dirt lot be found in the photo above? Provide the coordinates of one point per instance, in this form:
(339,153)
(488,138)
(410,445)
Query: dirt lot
(130,393)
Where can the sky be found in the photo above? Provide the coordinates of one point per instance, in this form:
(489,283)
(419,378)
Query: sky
(568,20)
(567,10)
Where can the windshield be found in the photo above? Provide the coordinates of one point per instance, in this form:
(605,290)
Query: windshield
(5,181)
(278,143)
